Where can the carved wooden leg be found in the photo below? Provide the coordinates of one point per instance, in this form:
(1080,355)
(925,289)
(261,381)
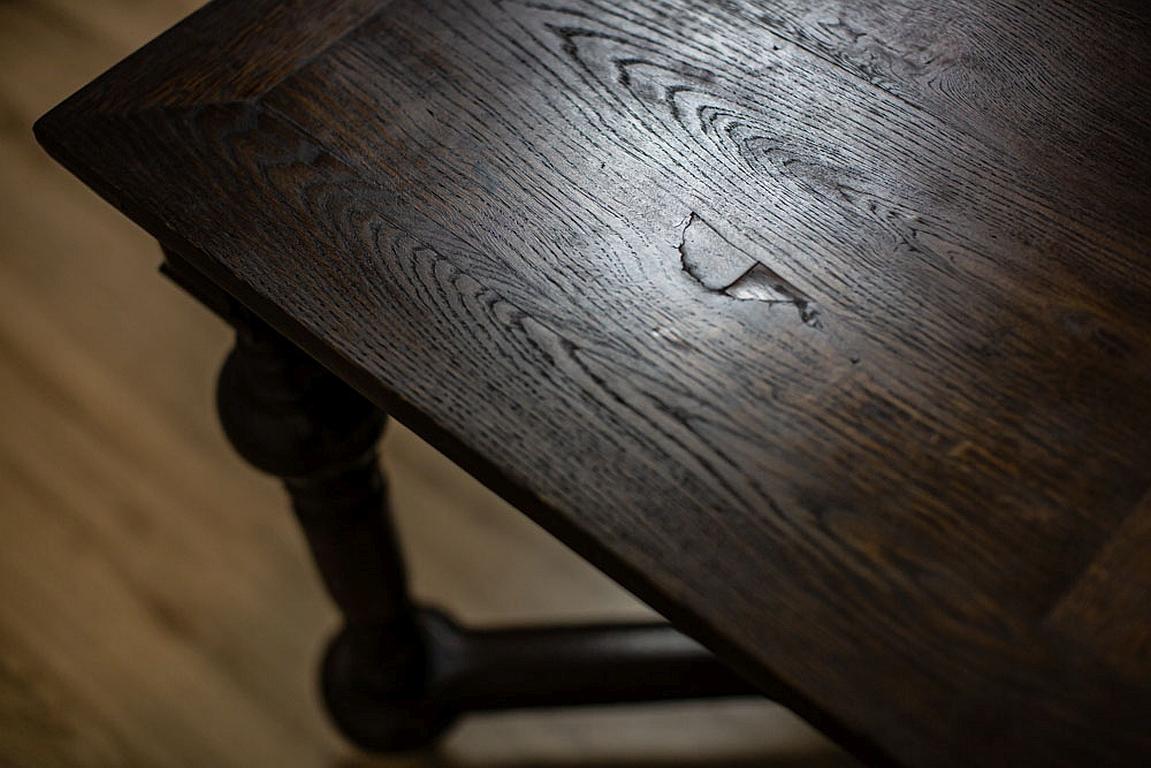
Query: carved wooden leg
(290,417)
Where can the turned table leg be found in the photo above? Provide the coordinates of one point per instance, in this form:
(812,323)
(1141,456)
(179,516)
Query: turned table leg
(288,416)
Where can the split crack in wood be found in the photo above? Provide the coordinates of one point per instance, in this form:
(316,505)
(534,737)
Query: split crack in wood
(722,267)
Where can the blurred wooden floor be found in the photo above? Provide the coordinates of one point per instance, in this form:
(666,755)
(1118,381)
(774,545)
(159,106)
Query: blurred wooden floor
(156,604)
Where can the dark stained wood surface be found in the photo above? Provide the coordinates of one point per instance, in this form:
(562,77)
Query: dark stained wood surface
(825,328)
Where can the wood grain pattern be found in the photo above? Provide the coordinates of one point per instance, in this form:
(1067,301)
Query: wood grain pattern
(1108,608)
(476,213)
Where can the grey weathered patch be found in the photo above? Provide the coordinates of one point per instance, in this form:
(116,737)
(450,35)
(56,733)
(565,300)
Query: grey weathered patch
(722,267)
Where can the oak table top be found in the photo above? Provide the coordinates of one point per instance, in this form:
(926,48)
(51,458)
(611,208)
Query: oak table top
(824,327)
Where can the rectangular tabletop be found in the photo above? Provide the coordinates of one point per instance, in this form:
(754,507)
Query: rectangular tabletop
(825,327)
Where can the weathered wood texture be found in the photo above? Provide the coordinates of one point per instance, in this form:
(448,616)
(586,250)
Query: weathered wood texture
(824,327)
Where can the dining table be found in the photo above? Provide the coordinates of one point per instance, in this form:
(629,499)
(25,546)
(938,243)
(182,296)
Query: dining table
(821,326)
